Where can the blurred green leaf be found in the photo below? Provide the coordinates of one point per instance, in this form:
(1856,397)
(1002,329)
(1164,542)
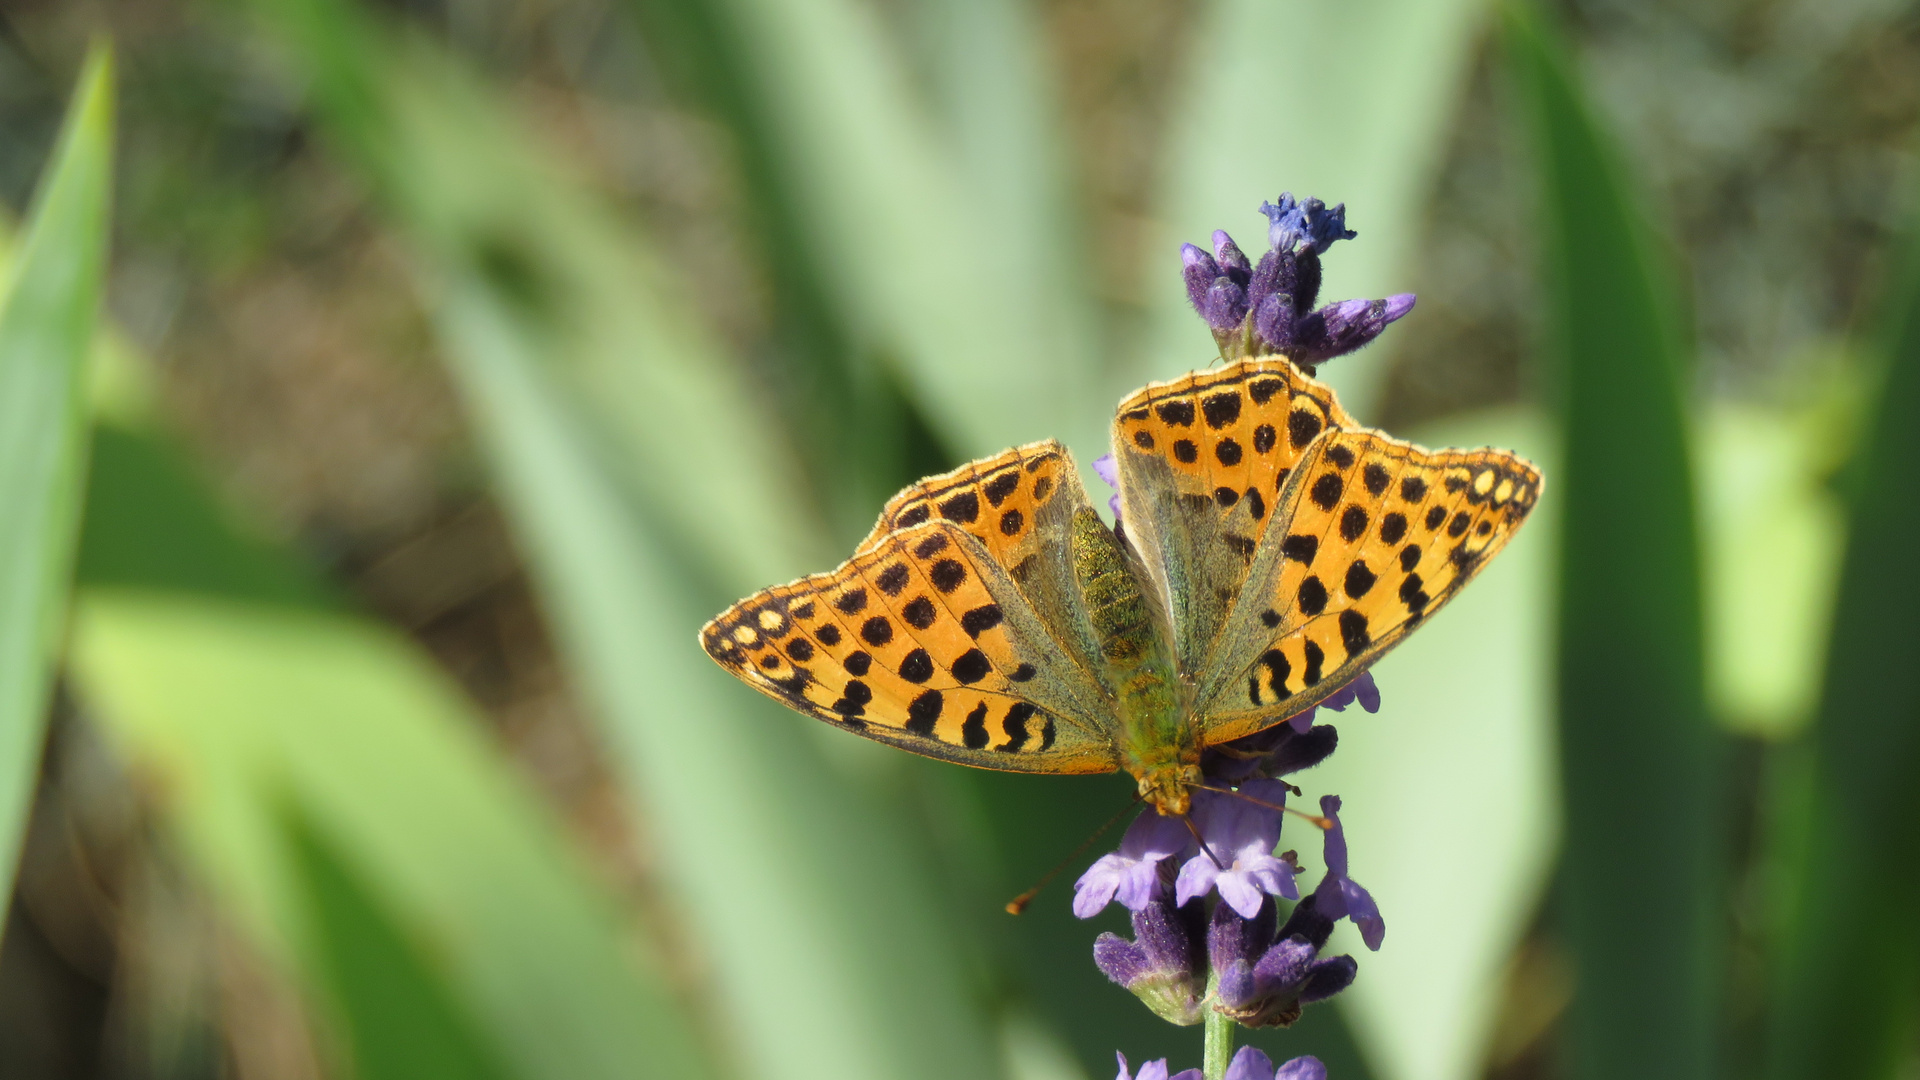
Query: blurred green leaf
(1848,967)
(1639,762)
(238,711)
(796,886)
(686,428)
(1450,797)
(938,236)
(1347,102)
(46,328)
(1773,534)
(403,1025)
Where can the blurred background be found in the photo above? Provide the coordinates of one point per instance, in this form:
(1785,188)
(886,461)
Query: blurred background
(456,359)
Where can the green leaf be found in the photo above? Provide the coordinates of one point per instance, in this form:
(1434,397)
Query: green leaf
(1644,853)
(1347,102)
(933,218)
(1773,533)
(1450,796)
(238,711)
(46,329)
(403,1024)
(1849,962)
(647,488)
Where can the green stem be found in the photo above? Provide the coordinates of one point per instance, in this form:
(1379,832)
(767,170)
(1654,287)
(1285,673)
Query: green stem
(1219,1039)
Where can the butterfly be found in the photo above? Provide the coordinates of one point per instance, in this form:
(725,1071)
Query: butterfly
(1269,549)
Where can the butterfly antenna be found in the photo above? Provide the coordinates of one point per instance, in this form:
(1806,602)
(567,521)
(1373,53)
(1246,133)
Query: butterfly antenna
(1202,841)
(1315,820)
(1019,903)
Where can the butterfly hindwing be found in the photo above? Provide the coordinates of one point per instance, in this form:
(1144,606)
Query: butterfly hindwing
(1374,535)
(1202,461)
(922,641)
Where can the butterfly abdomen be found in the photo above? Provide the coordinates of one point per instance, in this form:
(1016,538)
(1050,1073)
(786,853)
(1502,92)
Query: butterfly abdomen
(1140,668)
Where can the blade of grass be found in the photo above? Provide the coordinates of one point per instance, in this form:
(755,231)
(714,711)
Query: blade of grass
(1639,761)
(46,329)
(794,883)
(1347,102)
(939,242)
(401,1022)
(236,708)
(1848,964)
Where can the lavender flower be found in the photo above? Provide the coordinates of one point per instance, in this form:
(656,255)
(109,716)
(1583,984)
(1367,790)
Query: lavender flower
(1270,308)
(1265,979)
(1104,467)
(1338,895)
(1293,222)
(1163,966)
(1152,1070)
(1247,1064)
(1132,874)
(1242,835)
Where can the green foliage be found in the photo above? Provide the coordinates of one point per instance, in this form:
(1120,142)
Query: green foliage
(1845,983)
(46,328)
(1639,769)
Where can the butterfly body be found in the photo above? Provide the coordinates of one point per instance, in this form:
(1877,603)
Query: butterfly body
(1270,550)
(1156,741)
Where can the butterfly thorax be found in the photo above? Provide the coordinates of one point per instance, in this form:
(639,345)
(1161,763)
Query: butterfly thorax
(1156,743)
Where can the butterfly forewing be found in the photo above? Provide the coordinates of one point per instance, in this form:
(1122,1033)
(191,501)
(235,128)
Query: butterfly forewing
(920,640)
(1374,536)
(1019,505)
(1203,460)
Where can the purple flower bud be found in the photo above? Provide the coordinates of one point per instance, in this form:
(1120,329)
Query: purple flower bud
(1242,835)
(1339,896)
(1226,305)
(1338,329)
(1198,269)
(1162,966)
(1263,979)
(1157,1070)
(1277,324)
(1233,262)
(1132,874)
(1276,751)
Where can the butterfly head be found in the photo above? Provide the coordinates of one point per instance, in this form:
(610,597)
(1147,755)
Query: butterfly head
(1169,788)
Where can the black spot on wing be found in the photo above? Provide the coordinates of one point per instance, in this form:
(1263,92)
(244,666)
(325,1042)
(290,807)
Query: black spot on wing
(1175,413)
(1227,451)
(1002,486)
(973,732)
(1184,450)
(1300,547)
(924,712)
(892,579)
(919,613)
(1302,426)
(971,666)
(1326,491)
(963,508)
(1376,477)
(981,619)
(947,575)
(1313,595)
(857,662)
(1353,523)
(931,546)
(917,667)
(1353,632)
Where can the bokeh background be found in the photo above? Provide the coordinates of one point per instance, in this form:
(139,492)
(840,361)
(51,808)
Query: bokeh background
(457,358)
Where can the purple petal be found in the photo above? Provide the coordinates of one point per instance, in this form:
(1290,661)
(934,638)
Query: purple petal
(1287,963)
(1187,1074)
(1364,913)
(1124,1073)
(1196,877)
(1198,270)
(1105,467)
(1334,850)
(1154,836)
(1302,722)
(1139,884)
(1399,304)
(1095,889)
(1329,977)
(1302,1068)
(1238,892)
(1237,987)
(1119,959)
(1250,1064)
(1153,1070)
(1367,693)
(1113,504)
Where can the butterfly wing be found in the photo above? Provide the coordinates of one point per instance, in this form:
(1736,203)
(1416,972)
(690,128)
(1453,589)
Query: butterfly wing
(1019,504)
(926,641)
(1202,462)
(1371,536)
